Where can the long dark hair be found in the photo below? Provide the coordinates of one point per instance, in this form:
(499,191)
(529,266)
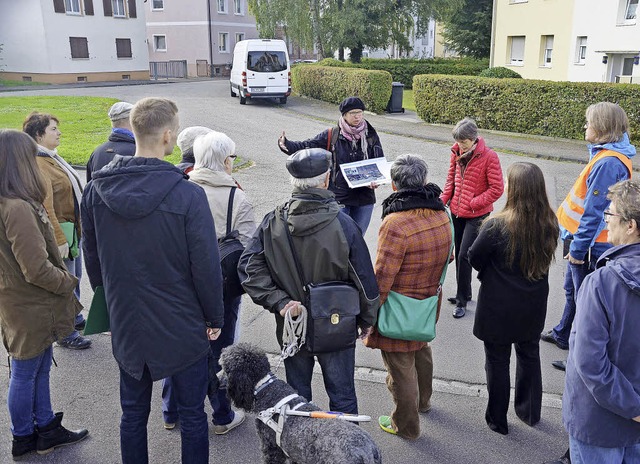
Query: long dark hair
(529,221)
(19,173)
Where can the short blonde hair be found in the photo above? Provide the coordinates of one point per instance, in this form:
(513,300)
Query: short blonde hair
(608,121)
(151,116)
(211,150)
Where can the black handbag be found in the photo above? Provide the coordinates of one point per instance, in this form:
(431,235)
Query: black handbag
(332,309)
(230,249)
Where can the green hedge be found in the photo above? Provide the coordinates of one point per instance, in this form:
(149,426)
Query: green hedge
(554,109)
(403,70)
(334,84)
(500,73)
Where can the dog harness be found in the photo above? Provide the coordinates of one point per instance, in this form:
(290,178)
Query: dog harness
(281,409)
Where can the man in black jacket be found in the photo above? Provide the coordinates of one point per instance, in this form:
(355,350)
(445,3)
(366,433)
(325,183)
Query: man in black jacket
(330,247)
(150,241)
(121,140)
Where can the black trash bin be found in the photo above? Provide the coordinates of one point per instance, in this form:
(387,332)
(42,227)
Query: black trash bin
(395,102)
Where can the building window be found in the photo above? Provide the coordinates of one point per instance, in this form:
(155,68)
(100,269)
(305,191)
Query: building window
(516,52)
(239,36)
(547,50)
(79,47)
(72,6)
(160,43)
(222,6)
(581,49)
(223,40)
(118,9)
(123,48)
(237,6)
(630,13)
(157,5)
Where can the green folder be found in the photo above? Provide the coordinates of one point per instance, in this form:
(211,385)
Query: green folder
(98,318)
(69,229)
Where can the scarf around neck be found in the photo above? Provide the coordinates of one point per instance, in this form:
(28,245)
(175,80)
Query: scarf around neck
(355,134)
(76,184)
(406,199)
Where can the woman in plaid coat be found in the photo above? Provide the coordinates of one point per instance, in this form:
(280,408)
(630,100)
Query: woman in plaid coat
(413,248)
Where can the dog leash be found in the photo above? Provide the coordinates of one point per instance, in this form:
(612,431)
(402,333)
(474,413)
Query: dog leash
(294,334)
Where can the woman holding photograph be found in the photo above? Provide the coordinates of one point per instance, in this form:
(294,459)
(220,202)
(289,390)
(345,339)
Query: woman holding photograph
(353,139)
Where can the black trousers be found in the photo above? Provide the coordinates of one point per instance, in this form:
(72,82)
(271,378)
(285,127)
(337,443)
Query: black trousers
(465,232)
(528,391)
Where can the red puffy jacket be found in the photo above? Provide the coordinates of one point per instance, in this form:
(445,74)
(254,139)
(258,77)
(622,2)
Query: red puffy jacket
(473,189)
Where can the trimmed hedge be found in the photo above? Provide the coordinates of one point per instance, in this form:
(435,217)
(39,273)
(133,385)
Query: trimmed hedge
(554,109)
(500,73)
(334,84)
(403,70)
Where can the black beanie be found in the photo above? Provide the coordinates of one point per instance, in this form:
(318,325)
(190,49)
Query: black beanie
(351,103)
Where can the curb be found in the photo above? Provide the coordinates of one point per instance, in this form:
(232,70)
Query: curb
(452,387)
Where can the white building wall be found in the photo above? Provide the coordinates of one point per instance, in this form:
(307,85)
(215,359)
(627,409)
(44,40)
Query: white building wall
(36,39)
(607,35)
(422,47)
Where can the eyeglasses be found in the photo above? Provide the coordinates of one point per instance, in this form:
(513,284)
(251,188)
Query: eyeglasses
(608,214)
(355,112)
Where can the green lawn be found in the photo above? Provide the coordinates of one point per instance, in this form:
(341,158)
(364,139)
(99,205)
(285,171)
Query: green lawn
(83,122)
(5,83)
(407,100)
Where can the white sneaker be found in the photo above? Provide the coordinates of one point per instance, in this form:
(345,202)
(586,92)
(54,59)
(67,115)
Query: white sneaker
(238,419)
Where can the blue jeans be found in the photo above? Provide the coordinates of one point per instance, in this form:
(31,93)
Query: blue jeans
(28,399)
(360,214)
(573,278)
(74,266)
(190,387)
(222,412)
(582,453)
(337,372)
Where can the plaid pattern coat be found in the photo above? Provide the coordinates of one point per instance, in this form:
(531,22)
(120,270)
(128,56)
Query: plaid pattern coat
(413,247)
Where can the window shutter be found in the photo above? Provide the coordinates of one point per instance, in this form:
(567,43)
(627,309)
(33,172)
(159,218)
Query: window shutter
(79,47)
(88,7)
(132,9)
(123,48)
(108,8)
(58,6)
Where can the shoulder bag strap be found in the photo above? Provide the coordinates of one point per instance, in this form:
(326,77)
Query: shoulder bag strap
(230,208)
(446,264)
(293,249)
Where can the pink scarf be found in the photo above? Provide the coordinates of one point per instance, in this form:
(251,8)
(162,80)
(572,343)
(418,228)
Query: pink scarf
(355,134)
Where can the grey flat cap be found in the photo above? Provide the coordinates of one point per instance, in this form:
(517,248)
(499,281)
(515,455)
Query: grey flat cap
(308,163)
(120,110)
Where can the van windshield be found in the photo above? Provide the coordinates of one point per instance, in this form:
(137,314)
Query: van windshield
(266,61)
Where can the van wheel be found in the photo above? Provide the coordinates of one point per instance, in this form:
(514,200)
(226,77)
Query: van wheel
(243,100)
(283,100)
(233,95)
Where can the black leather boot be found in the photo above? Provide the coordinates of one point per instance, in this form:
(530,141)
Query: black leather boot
(54,434)
(23,445)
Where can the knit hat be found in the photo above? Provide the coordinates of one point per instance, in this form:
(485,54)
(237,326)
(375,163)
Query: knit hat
(309,163)
(351,103)
(120,110)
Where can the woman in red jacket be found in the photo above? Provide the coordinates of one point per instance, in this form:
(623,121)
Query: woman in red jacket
(474,183)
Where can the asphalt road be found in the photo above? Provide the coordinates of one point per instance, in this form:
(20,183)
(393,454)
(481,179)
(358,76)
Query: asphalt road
(85,384)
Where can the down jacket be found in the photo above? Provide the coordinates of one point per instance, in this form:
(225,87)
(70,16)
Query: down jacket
(471,190)
(37,305)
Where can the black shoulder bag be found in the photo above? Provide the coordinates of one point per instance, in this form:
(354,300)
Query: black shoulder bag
(230,251)
(332,309)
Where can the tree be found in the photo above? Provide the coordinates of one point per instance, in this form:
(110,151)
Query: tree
(354,24)
(467,29)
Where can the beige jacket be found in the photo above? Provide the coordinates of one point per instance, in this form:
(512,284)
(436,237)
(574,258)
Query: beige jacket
(217,185)
(37,305)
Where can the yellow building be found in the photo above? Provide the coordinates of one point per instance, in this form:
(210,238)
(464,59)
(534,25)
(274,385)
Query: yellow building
(568,40)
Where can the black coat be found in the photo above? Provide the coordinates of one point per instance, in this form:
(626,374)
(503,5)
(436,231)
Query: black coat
(510,307)
(344,153)
(150,241)
(118,144)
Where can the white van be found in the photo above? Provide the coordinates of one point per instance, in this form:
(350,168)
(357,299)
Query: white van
(261,69)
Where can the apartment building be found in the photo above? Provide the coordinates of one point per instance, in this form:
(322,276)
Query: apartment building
(568,40)
(63,41)
(201,33)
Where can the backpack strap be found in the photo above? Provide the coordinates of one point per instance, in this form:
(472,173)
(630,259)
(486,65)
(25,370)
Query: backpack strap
(230,208)
(332,139)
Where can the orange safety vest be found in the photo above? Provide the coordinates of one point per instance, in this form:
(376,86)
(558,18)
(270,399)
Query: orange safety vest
(572,208)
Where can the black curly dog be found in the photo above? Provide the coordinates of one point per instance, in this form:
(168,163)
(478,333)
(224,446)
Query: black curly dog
(306,440)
